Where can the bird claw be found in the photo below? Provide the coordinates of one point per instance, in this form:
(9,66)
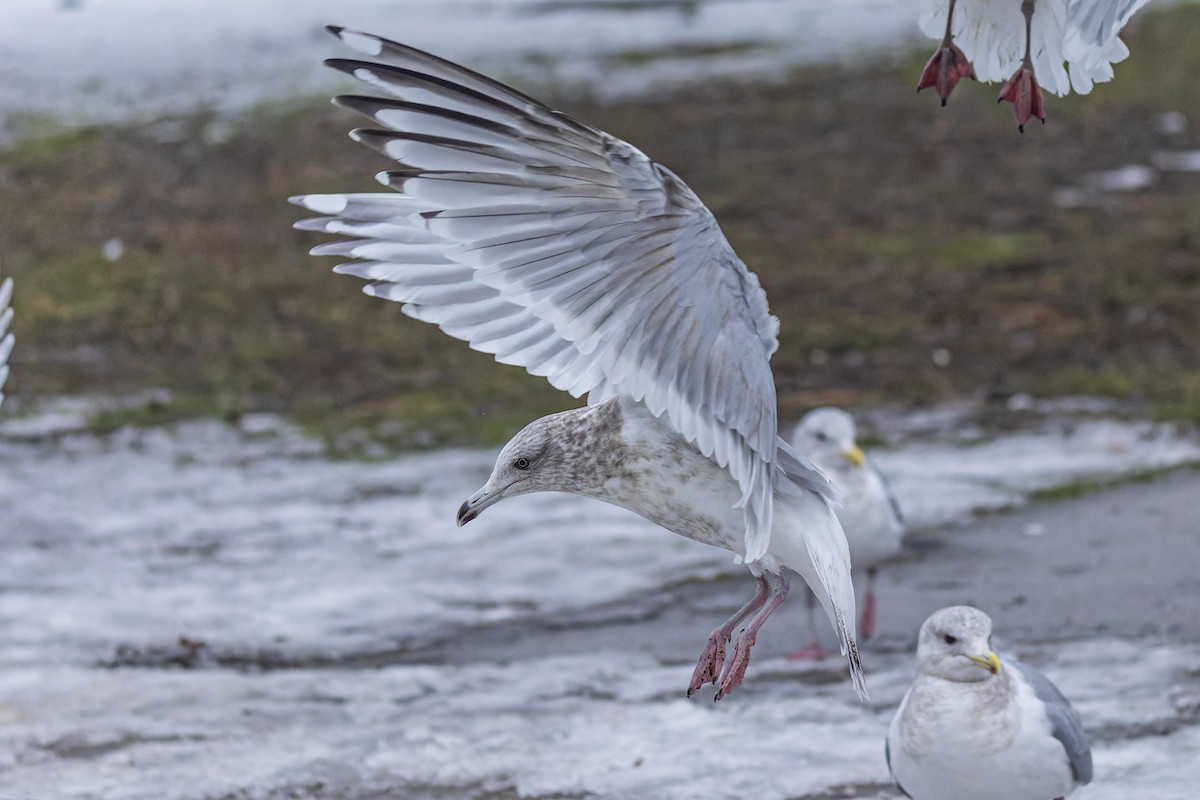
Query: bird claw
(945,69)
(1023,92)
(735,670)
(710,663)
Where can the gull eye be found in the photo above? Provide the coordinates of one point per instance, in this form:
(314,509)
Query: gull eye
(521,463)
(821,437)
(948,639)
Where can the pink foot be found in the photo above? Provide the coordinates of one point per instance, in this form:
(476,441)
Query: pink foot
(867,626)
(1023,92)
(947,67)
(735,671)
(810,652)
(710,663)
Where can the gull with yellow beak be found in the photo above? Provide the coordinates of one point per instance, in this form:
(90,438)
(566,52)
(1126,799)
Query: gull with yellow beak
(869,513)
(972,728)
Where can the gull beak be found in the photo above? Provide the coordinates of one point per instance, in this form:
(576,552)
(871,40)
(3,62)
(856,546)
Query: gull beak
(854,455)
(476,503)
(991,662)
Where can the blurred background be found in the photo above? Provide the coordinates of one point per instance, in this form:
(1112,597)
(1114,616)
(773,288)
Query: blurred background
(229,479)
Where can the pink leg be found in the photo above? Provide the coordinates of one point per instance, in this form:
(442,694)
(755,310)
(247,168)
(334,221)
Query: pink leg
(1022,89)
(948,65)
(735,669)
(866,628)
(813,650)
(713,657)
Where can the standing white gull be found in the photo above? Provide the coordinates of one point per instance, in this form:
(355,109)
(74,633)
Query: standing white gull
(973,728)
(1064,43)
(566,251)
(6,337)
(869,514)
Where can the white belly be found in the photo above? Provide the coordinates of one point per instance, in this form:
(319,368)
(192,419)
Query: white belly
(964,752)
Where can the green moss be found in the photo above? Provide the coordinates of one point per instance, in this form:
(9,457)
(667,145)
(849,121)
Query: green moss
(39,138)
(152,413)
(1106,382)
(637,58)
(1071,491)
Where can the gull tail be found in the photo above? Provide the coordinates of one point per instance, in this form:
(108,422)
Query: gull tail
(817,550)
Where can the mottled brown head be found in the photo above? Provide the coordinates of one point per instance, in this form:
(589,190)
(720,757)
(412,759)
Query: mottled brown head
(566,452)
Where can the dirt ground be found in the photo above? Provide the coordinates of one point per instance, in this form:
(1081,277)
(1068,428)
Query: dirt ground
(885,229)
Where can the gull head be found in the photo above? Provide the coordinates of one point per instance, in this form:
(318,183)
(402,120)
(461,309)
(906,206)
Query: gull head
(557,453)
(955,644)
(827,435)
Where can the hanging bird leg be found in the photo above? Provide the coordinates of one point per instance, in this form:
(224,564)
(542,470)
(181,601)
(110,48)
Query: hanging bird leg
(735,668)
(1022,89)
(948,64)
(708,668)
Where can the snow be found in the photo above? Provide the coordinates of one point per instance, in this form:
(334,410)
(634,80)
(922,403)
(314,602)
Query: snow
(231,55)
(210,610)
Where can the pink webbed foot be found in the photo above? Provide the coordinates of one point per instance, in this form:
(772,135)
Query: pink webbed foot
(810,652)
(1023,92)
(735,670)
(710,663)
(945,69)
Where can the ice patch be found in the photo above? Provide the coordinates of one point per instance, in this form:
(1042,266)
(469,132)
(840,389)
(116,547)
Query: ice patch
(160,628)
(542,727)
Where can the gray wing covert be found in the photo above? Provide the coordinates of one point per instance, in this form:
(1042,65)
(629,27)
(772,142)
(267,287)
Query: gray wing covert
(1064,721)
(559,248)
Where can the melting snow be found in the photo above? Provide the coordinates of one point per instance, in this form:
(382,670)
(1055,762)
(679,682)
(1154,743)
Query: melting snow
(248,540)
(230,54)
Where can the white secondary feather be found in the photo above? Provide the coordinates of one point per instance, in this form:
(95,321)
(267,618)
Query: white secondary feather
(1074,43)
(6,337)
(564,250)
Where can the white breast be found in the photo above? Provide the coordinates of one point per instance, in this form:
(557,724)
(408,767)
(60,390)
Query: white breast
(952,741)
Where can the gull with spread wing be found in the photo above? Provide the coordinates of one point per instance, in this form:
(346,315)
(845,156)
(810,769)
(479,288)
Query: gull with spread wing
(564,250)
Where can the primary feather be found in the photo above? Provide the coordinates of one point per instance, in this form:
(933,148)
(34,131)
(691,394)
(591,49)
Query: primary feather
(564,250)
(6,337)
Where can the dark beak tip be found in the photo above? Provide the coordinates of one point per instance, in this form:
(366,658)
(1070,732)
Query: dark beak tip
(465,514)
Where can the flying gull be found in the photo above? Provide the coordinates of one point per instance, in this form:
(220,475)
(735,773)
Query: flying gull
(869,514)
(1067,44)
(974,728)
(6,337)
(564,250)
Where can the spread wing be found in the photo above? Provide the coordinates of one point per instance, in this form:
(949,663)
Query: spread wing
(1064,722)
(561,249)
(6,337)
